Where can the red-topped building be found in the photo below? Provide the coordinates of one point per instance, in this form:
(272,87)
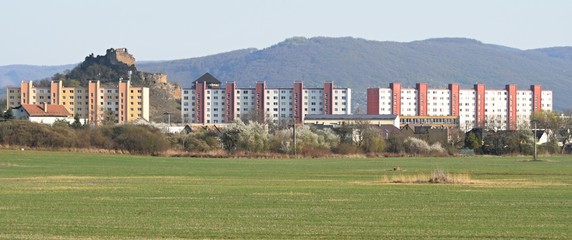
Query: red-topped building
(209,102)
(479,106)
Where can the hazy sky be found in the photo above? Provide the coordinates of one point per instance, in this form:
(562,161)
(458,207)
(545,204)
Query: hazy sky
(65,31)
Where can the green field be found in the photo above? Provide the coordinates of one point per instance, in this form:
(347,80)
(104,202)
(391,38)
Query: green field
(59,195)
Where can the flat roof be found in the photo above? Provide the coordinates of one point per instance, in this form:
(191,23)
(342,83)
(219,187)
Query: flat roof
(350,116)
(426,117)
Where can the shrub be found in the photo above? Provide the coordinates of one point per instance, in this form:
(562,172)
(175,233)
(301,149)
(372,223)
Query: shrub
(395,143)
(139,139)
(345,148)
(438,176)
(315,151)
(306,138)
(24,133)
(251,137)
(201,141)
(418,146)
(281,141)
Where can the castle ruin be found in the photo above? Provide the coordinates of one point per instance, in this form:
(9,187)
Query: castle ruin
(118,55)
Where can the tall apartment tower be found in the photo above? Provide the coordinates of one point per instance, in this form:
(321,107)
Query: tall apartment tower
(210,102)
(505,108)
(91,103)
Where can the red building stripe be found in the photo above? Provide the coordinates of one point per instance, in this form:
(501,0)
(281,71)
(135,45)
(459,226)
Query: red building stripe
(511,106)
(298,97)
(200,105)
(454,104)
(260,101)
(536,98)
(421,99)
(373,101)
(123,96)
(395,98)
(480,105)
(328,98)
(230,100)
(55,91)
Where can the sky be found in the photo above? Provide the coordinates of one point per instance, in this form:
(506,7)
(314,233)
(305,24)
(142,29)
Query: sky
(60,32)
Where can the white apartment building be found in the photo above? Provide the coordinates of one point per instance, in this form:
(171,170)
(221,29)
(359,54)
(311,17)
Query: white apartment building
(478,107)
(208,102)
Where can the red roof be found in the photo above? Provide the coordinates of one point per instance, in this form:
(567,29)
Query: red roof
(52,110)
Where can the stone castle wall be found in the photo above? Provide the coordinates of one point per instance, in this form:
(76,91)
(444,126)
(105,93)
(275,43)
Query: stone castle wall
(120,55)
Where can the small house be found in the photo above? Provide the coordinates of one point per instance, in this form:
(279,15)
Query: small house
(43,113)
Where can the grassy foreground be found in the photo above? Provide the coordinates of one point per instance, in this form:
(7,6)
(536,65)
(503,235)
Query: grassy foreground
(59,195)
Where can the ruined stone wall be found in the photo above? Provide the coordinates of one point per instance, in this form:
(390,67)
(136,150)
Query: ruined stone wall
(120,55)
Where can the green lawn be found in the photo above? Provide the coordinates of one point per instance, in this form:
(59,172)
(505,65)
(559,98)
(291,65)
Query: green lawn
(59,195)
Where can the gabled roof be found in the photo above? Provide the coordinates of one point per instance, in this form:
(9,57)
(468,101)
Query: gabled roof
(540,133)
(388,128)
(53,110)
(207,78)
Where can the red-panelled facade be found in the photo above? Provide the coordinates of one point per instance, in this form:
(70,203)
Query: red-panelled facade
(536,97)
(123,96)
(93,104)
(421,99)
(297,108)
(454,88)
(480,105)
(208,102)
(55,90)
(472,107)
(200,107)
(25,92)
(511,106)
(373,101)
(395,98)
(260,97)
(230,91)
(328,98)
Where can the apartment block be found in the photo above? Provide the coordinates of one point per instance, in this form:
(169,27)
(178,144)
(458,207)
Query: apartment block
(505,108)
(92,103)
(210,102)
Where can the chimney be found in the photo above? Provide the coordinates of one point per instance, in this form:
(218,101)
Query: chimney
(45,107)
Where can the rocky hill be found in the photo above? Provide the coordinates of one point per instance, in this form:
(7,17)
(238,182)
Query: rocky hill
(118,64)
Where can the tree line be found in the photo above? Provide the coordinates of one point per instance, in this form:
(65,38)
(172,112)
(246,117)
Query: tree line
(255,137)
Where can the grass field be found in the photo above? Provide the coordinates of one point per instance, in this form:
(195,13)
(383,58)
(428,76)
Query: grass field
(59,195)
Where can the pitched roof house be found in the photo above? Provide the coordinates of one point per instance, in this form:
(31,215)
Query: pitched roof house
(44,113)
(209,80)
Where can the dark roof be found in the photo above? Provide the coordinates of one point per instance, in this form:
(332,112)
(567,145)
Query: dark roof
(350,116)
(388,128)
(207,78)
(422,129)
(539,133)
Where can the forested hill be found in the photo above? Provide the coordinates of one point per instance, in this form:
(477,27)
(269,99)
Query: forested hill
(358,63)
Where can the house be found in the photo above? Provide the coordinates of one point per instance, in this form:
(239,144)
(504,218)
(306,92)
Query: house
(428,133)
(542,136)
(386,130)
(44,113)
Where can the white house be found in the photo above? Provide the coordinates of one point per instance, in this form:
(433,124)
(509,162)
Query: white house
(45,113)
